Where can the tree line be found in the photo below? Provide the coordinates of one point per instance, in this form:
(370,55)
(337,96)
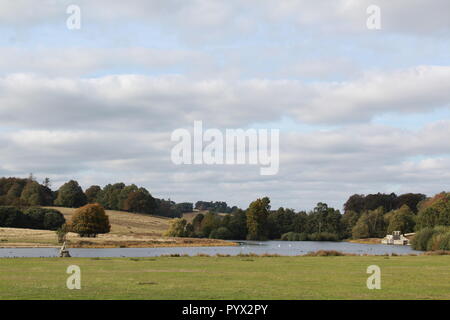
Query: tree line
(365,216)
(30,218)
(28,192)
(214,206)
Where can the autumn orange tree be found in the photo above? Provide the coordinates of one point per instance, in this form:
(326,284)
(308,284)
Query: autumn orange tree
(90,220)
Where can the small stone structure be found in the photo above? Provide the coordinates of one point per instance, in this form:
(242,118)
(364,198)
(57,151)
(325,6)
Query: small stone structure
(395,238)
(63,252)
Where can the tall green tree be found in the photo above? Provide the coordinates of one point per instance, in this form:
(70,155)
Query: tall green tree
(123,195)
(349,220)
(15,191)
(92,193)
(355,203)
(280,222)
(109,197)
(411,200)
(257,214)
(434,212)
(325,219)
(140,201)
(71,195)
(371,224)
(210,222)
(401,220)
(32,194)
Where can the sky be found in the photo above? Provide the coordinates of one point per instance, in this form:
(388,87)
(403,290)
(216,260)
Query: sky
(359,110)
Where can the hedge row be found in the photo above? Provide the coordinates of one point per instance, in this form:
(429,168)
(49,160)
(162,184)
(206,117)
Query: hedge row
(31,218)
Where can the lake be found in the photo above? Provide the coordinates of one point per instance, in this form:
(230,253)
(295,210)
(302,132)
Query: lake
(285,248)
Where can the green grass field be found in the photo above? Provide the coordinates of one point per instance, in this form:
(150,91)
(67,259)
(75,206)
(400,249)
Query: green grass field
(403,277)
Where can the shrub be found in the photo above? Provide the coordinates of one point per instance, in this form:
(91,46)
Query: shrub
(220,233)
(41,218)
(420,240)
(438,238)
(53,219)
(432,239)
(289,236)
(445,241)
(294,236)
(325,253)
(61,233)
(177,228)
(90,220)
(323,236)
(285,236)
(35,217)
(437,253)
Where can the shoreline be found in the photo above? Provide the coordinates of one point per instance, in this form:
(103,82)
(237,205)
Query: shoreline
(365,241)
(121,246)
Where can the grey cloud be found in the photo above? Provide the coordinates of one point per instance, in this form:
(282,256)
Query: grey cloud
(136,102)
(240,17)
(321,166)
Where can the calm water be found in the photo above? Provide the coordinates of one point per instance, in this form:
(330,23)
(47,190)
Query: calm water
(288,248)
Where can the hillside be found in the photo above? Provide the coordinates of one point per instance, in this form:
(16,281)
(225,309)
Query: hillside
(127,230)
(125,223)
(189,216)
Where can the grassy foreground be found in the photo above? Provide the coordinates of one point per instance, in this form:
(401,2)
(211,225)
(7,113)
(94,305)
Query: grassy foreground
(403,277)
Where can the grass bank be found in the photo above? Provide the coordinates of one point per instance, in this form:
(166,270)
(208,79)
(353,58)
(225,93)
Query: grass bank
(341,277)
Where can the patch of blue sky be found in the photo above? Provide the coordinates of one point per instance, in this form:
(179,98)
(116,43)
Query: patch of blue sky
(90,35)
(412,121)
(287,124)
(4,129)
(134,70)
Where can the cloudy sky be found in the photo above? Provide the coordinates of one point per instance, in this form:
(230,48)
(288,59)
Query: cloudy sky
(359,110)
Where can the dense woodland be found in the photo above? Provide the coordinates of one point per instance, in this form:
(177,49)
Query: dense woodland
(28,192)
(214,206)
(364,216)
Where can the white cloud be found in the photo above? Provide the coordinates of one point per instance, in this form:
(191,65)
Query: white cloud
(144,102)
(317,166)
(79,106)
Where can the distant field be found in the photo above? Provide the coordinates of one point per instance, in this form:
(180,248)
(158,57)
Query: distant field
(125,223)
(402,277)
(189,216)
(127,230)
